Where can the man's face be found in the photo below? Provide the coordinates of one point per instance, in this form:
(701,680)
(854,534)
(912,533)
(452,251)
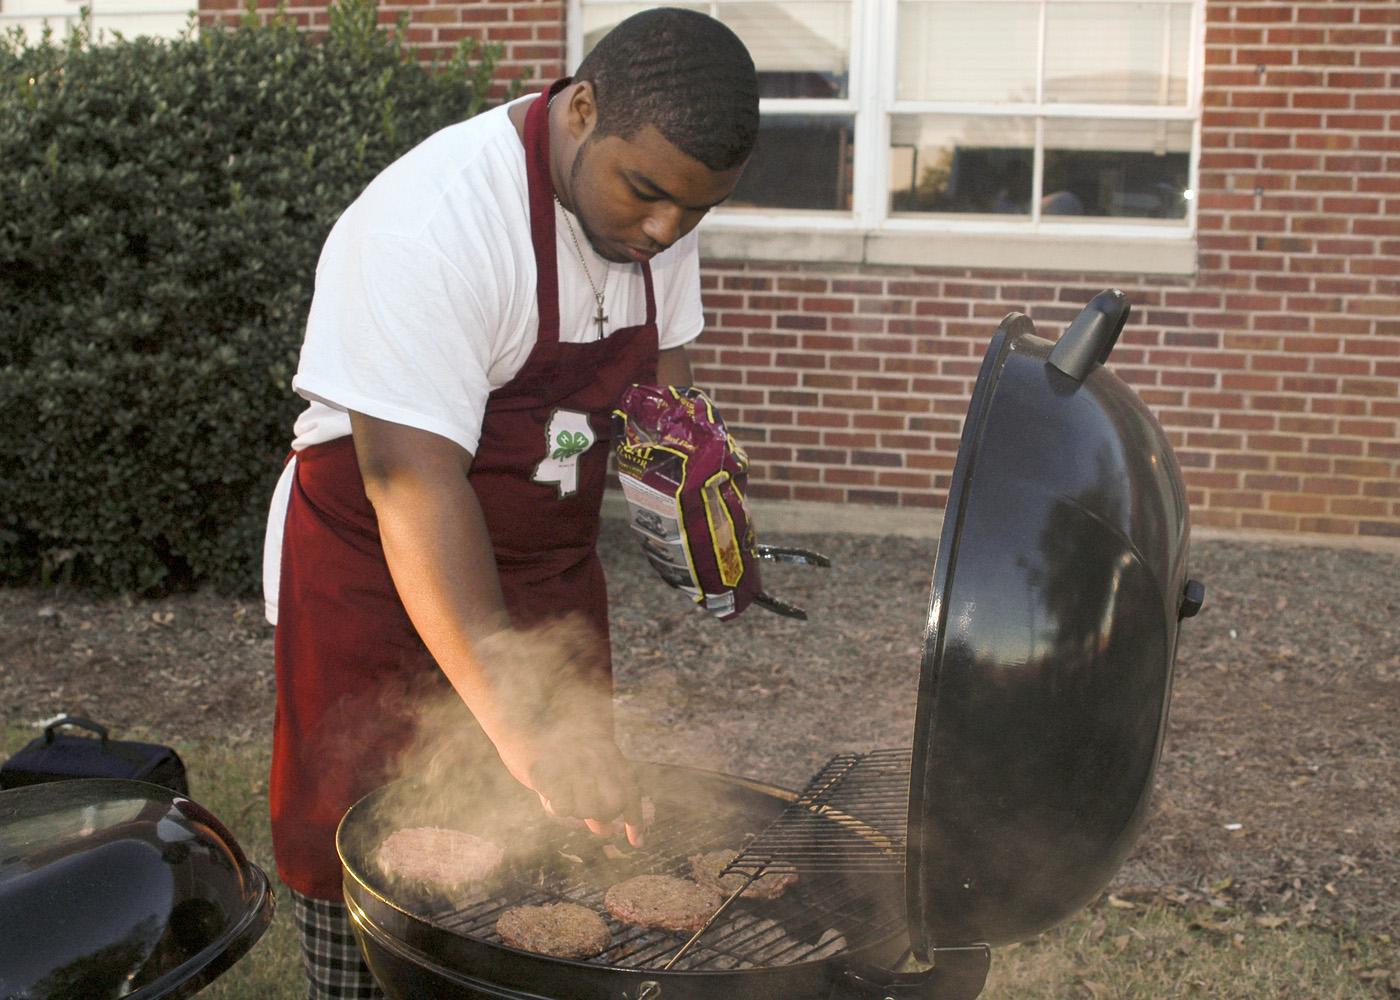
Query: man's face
(637,196)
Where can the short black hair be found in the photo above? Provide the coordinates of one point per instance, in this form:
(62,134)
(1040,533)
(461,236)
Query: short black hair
(683,72)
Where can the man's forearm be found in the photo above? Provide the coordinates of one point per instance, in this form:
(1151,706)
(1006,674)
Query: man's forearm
(535,693)
(439,554)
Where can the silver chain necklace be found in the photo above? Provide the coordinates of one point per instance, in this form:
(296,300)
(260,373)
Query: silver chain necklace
(600,317)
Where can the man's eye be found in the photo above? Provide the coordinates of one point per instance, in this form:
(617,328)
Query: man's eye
(643,196)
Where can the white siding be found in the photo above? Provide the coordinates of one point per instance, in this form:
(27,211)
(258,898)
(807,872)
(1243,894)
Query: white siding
(164,18)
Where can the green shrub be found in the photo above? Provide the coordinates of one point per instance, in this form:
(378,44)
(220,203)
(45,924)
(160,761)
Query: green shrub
(164,206)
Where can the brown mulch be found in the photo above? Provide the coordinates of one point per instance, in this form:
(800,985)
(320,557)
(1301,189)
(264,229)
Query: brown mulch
(1278,791)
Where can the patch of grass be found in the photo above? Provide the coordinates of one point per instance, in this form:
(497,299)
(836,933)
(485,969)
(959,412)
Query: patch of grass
(230,780)
(1108,952)
(1154,951)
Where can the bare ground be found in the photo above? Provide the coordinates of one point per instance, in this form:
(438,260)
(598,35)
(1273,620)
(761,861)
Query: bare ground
(1278,790)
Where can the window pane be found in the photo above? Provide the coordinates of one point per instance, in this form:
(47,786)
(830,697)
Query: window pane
(801,49)
(600,18)
(983,50)
(799,161)
(957,163)
(1134,169)
(1117,53)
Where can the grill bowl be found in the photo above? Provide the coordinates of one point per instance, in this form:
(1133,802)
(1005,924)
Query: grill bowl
(797,946)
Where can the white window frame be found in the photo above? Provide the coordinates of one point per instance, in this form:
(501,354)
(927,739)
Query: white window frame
(868,234)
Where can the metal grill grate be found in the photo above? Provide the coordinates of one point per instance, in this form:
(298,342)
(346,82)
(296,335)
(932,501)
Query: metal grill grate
(841,835)
(851,818)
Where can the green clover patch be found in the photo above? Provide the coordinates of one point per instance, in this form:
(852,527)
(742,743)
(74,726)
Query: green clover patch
(568,444)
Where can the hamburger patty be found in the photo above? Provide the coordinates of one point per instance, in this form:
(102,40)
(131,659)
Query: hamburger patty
(563,930)
(443,858)
(672,904)
(706,868)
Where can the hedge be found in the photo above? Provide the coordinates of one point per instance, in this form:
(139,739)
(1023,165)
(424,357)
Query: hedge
(165,203)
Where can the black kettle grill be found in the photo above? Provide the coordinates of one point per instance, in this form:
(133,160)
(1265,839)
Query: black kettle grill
(119,888)
(1058,589)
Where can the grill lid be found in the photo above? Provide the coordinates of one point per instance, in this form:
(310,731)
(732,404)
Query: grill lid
(113,888)
(1059,583)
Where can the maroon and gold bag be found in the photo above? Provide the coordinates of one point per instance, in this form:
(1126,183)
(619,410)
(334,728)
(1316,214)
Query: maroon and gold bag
(684,478)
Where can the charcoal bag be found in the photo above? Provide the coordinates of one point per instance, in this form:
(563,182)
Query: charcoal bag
(684,478)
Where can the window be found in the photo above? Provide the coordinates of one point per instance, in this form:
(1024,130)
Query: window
(1033,121)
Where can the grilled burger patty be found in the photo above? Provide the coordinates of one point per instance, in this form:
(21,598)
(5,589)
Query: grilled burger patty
(443,858)
(672,904)
(563,930)
(706,870)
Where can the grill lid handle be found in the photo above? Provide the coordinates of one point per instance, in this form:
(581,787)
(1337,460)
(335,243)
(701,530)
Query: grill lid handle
(956,974)
(1092,335)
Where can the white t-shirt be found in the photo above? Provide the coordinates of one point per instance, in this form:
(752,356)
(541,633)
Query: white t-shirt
(425,298)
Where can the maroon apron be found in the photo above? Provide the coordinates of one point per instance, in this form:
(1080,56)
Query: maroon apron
(349,662)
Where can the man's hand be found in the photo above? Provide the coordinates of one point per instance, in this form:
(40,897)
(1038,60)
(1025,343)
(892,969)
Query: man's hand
(578,775)
(554,699)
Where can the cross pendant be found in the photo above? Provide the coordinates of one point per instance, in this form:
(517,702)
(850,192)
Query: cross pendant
(600,319)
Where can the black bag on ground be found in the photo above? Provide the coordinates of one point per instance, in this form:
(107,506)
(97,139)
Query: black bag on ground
(56,756)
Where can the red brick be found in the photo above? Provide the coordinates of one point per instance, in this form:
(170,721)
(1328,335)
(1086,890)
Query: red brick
(1381,101)
(860,286)
(1356,36)
(1356,507)
(1326,14)
(1341,406)
(1272,99)
(770,378)
(1264,522)
(1327,525)
(1291,162)
(1236,499)
(773,303)
(788,284)
(1297,503)
(1369,429)
(1341,366)
(1264,140)
(1381,13)
(1326,57)
(855,324)
(802,322)
(827,305)
(748,282)
(1335,446)
(1302,463)
(1306,425)
(1389,488)
(548,12)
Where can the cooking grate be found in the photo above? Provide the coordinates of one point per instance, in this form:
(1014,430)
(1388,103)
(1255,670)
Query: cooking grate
(852,818)
(841,836)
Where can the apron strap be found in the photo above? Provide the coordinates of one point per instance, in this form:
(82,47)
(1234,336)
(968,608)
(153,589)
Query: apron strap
(542,211)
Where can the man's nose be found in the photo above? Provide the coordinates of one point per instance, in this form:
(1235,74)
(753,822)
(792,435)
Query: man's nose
(663,225)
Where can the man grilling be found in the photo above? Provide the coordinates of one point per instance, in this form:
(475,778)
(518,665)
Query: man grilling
(478,311)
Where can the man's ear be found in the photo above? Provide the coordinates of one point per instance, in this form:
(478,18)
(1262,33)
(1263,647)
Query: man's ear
(583,110)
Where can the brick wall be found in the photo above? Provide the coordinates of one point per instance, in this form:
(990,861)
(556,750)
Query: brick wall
(1275,369)
(531,31)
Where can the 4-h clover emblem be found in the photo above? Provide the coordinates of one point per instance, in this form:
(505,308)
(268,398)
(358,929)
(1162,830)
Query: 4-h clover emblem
(567,436)
(568,444)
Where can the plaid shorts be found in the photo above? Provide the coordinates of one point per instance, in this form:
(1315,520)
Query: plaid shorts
(334,968)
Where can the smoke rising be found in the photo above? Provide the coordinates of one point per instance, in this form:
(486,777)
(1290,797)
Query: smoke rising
(552,681)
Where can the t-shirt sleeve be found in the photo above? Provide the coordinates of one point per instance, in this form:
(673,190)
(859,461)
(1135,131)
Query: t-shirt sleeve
(397,332)
(680,314)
